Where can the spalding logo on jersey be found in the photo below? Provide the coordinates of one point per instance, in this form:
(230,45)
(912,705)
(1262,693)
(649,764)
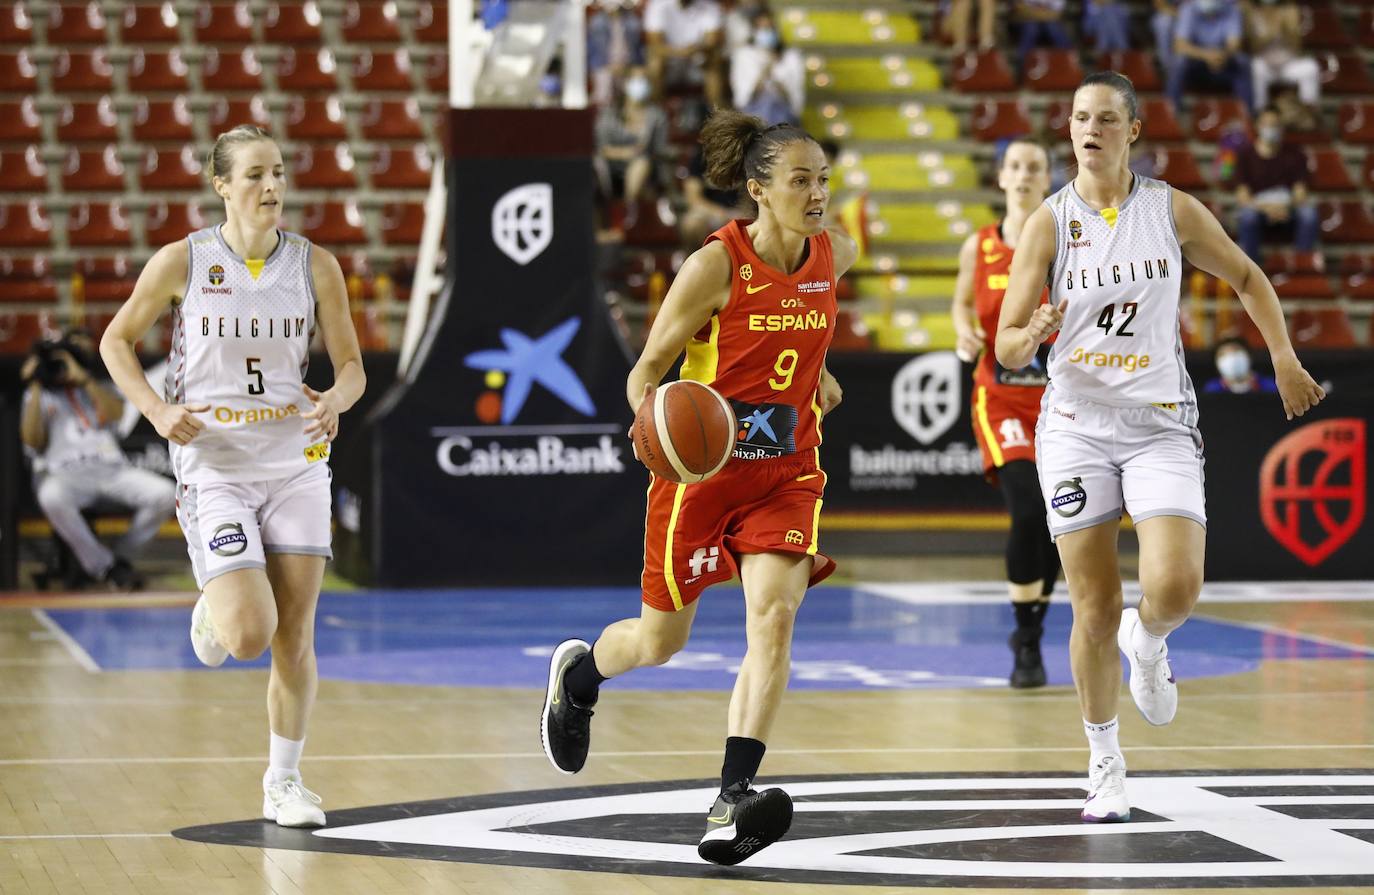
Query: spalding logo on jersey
(216,274)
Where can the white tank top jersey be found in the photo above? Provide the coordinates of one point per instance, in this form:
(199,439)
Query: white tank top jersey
(1122,273)
(241,344)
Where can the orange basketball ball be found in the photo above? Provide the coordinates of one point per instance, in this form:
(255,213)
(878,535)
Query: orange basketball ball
(684,432)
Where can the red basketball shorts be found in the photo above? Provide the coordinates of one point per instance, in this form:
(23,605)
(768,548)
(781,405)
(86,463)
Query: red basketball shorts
(1004,425)
(694,534)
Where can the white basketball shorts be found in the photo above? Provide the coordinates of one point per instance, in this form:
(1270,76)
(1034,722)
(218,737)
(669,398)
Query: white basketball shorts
(1095,459)
(234,525)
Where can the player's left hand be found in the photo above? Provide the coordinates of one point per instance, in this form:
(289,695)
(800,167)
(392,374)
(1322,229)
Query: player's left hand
(830,392)
(323,416)
(1299,391)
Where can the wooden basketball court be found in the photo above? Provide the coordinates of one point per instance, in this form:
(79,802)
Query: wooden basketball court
(939,777)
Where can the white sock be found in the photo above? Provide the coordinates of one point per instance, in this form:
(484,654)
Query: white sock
(283,759)
(1145,644)
(1101,739)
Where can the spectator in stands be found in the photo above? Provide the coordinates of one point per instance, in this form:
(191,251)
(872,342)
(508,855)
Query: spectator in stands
(631,137)
(955,22)
(767,79)
(684,39)
(1107,25)
(1162,23)
(1235,372)
(1040,23)
(1274,31)
(1207,50)
(1271,189)
(707,209)
(615,41)
(68,427)
(1297,116)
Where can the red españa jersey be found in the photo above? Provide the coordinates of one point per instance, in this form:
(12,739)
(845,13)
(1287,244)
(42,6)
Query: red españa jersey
(991,271)
(764,350)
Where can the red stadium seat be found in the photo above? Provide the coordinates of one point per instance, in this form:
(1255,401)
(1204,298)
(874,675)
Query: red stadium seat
(1178,167)
(76,23)
(232,69)
(1327,170)
(152,71)
(1053,71)
(228,113)
(402,223)
(383,71)
(224,23)
(172,169)
(151,24)
(1367,171)
(1214,116)
(25,224)
(1345,73)
(851,333)
(26,278)
(18,74)
(1159,122)
(308,70)
(93,170)
(1302,285)
(392,119)
(161,119)
(16,25)
(20,122)
(82,122)
(324,167)
(81,72)
(1323,28)
(293,23)
(98,224)
(436,73)
(982,72)
(370,23)
(1138,65)
(23,170)
(170,221)
(402,168)
(315,118)
(107,278)
(1291,261)
(1358,270)
(18,331)
(1357,122)
(1325,328)
(999,120)
(333,223)
(431,22)
(1346,222)
(1057,114)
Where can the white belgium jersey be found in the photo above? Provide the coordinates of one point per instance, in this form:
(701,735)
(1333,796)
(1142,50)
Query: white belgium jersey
(1122,273)
(240,343)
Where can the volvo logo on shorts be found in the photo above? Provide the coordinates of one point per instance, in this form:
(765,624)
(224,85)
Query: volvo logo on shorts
(1305,829)
(926,395)
(216,274)
(1069,497)
(522,222)
(229,539)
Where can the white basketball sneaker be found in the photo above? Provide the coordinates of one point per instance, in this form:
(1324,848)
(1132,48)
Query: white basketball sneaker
(208,649)
(290,804)
(1152,680)
(1107,802)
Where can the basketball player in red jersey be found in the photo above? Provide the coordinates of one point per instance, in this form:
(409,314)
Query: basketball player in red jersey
(1006,403)
(754,309)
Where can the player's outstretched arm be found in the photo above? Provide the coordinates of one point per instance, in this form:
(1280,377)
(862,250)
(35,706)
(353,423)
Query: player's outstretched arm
(1024,322)
(341,341)
(159,285)
(1208,247)
(701,288)
(968,334)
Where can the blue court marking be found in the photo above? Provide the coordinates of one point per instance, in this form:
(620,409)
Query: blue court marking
(845,639)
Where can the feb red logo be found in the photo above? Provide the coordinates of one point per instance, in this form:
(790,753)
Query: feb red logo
(1315,473)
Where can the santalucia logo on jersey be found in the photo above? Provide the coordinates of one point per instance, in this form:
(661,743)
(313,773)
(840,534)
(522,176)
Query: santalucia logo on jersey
(229,539)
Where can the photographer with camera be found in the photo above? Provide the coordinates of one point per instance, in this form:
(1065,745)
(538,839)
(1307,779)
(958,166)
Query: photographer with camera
(68,427)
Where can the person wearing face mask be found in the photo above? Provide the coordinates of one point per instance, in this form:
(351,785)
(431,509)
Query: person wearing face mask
(1235,374)
(1274,31)
(1207,51)
(1271,189)
(630,136)
(767,79)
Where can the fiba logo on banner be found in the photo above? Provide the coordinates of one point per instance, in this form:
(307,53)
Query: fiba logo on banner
(1313,486)
(522,222)
(925,395)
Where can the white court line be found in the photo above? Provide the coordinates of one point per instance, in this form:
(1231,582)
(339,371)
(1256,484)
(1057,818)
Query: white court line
(82,657)
(93,836)
(676,753)
(1285,632)
(976,592)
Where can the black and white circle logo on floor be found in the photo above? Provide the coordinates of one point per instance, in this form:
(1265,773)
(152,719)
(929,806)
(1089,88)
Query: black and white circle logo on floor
(1294,828)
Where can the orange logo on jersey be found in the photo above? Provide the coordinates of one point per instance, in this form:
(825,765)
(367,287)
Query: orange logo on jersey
(1128,362)
(746,272)
(232,416)
(752,289)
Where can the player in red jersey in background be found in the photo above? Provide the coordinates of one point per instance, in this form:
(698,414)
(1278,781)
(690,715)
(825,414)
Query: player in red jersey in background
(1006,403)
(754,309)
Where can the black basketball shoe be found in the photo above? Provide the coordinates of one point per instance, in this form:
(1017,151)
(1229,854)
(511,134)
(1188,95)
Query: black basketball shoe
(1029,669)
(742,821)
(565,727)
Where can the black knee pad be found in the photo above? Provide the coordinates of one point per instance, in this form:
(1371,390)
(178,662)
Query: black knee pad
(1029,543)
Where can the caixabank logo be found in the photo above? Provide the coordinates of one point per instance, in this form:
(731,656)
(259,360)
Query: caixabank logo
(1193,829)
(1313,485)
